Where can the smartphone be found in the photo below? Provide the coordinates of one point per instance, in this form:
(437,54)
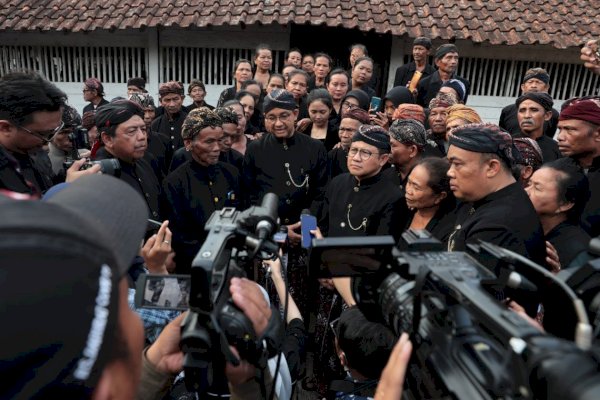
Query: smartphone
(165,292)
(309,223)
(375,104)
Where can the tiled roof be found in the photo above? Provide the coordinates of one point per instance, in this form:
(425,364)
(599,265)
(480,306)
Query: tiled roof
(559,23)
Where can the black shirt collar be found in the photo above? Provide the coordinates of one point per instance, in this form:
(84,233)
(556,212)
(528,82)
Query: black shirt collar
(505,191)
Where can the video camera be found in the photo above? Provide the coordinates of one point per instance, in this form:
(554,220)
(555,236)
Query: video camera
(214,322)
(467,343)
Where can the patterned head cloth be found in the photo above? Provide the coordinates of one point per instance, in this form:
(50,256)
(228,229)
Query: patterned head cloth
(196,83)
(537,74)
(443,100)
(279,98)
(138,82)
(88,121)
(70,117)
(458,87)
(409,132)
(358,114)
(112,114)
(409,111)
(531,153)
(143,99)
(198,119)
(543,99)
(373,135)
(485,138)
(171,87)
(460,111)
(95,84)
(422,41)
(445,49)
(583,108)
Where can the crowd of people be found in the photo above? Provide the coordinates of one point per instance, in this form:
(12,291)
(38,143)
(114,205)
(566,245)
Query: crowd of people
(322,140)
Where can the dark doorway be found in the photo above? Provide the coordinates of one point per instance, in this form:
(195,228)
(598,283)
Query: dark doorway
(337,41)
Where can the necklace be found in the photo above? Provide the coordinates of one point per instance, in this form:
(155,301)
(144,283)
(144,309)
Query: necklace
(298,185)
(363,224)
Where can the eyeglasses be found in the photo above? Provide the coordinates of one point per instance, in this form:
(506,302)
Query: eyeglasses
(282,117)
(364,154)
(349,106)
(46,136)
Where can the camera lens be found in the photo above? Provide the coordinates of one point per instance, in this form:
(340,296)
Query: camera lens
(396,301)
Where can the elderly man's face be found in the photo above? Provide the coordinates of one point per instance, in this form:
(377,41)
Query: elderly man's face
(281,122)
(534,85)
(365,160)
(206,145)
(437,121)
(130,140)
(448,63)
(531,117)
(172,102)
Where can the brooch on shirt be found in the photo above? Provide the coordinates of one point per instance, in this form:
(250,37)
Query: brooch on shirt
(292,181)
(451,241)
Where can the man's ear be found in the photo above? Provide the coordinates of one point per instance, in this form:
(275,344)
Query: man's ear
(526,172)
(565,207)
(547,115)
(494,167)
(107,140)
(6,128)
(383,159)
(187,143)
(296,112)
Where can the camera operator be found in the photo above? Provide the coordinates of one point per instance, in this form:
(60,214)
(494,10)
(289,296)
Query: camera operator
(495,207)
(91,342)
(123,133)
(30,116)
(61,146)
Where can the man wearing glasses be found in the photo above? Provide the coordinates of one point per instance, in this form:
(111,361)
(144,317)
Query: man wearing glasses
(30,116)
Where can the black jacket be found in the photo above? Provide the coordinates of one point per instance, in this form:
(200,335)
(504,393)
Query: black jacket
(430,86)
(405,73)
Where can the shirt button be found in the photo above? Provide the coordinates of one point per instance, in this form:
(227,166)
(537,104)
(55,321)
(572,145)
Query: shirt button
(155,214)
(287,220)
(356,188)
(342,224)
(288,201)
(147,195)
(288,183)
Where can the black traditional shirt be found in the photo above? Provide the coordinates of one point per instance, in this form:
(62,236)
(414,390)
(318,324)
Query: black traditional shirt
(22,173)
(337,162)
(590,219)
(295,169)
(171,127)
(441,224)
(549,147)
(369,207)
(193,192)
(405,73)
(429,87)
(569,241)
(141,176)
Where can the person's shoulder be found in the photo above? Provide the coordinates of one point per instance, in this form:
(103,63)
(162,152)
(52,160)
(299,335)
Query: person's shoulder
(229,170)
(178,174)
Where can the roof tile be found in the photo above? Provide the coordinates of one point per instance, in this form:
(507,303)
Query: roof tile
(496,22)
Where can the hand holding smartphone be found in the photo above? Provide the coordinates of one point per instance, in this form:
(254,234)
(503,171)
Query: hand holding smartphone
(309,223)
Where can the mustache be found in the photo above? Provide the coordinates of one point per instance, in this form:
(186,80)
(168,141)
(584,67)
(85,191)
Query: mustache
(527,121)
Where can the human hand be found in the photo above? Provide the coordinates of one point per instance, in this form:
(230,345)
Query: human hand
(317,233)
(302,124)
(380,119)
(590,55)
(274,266)
(248,296)
(294,237)
(164,354)
(552,258)
(327,283)
(74,173)
(516,307)
(392,378)
(156,250)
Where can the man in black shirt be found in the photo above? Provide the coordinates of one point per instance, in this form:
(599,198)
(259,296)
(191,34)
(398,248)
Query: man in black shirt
(170,122)
(30,116)
(291,165)
(337,158)
(533,110)
(406,73)
(446,60)
(536,80)
(124,136)
(93,91)
(579,138)
(199,186)
(495,207)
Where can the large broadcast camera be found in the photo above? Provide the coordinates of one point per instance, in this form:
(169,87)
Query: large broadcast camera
(214,322)
(467,343)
